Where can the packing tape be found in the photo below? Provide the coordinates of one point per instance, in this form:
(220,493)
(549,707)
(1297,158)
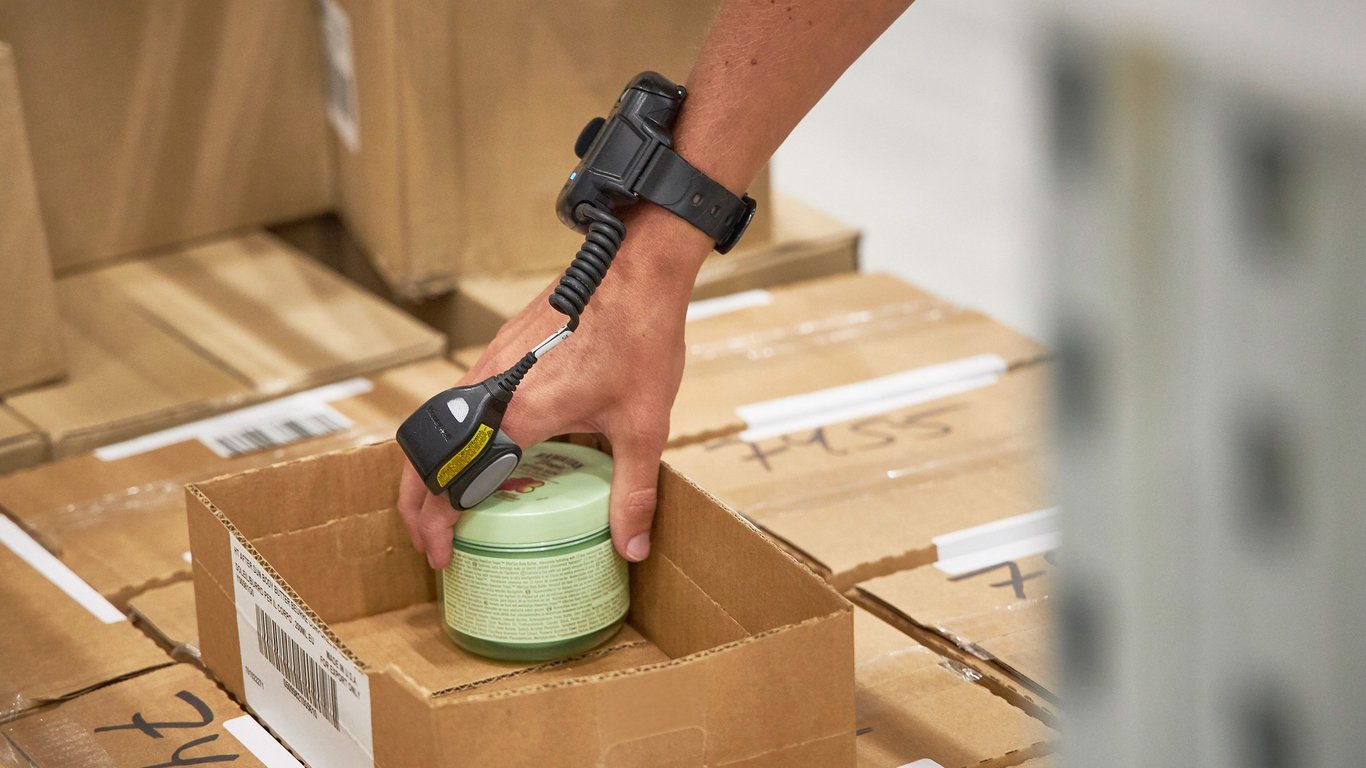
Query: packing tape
(983,546)
(801,338)
(55,571)
(869,397)
(734,302)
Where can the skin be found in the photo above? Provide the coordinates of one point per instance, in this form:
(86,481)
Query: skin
(764,64)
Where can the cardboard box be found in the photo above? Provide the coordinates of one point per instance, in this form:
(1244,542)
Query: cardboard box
(870,496)
(152,122)
(446,172)
(758,651)
(59,637)
(203,329)
(747,353)
(20,444)
(167,614)
(30,351)
(116,516)
(913,704)
(995,618)
(806,244)
(168,717)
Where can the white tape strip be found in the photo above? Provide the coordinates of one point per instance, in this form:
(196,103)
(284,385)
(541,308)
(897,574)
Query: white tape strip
(260,743)
(20,543)
(703,308)
(215,425)
(983,546)
(925,763)
(869,397)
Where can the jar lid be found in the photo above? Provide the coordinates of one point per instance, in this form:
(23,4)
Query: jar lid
(558,492)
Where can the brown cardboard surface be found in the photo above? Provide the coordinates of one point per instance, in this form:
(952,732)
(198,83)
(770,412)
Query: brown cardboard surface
(127,374)
(270,315)
(181,713)
(1000,617)
(820,334)
(913,704)
(757,670)
(203,329)
(450,161)
(864,498)
(806,244)
(155,121)
(51,647)
(20,444)
(120,524)
(167,613)
(32,351)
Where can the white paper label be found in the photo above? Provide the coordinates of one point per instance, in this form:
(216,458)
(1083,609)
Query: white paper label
(989,544)
(341,74)
(267,425)
(23,545)
(704,308)
(260,743)
(296,679)
(822,407)
(925,763)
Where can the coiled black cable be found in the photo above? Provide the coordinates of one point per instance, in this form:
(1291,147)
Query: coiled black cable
(589,267)
(580,280)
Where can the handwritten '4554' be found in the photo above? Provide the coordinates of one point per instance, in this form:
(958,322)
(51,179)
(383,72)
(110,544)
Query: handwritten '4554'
(867,434)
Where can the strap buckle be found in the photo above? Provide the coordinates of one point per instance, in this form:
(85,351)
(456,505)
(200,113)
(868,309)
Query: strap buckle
(742,224)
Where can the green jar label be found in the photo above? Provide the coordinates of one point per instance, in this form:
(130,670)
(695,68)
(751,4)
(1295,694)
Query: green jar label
(535,600)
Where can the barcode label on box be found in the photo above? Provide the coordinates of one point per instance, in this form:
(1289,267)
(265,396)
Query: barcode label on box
(341,74)
(296,679)
(309,682)
(274,430)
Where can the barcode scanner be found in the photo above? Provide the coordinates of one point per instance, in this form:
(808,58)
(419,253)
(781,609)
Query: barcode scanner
(454,440)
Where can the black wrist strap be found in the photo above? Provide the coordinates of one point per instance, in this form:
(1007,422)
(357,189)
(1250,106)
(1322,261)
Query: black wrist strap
(673,183)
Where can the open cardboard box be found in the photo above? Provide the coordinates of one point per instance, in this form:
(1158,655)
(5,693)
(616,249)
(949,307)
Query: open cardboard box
(735,655)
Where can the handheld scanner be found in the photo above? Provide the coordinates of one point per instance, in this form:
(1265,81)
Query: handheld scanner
(455,443)
(615,151)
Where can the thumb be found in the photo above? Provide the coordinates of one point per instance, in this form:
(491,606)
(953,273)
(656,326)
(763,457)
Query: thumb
(635,482)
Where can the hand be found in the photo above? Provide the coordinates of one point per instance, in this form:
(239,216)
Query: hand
(618,375)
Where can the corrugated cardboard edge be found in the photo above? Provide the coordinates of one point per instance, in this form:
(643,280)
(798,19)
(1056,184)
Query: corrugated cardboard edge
(996,677)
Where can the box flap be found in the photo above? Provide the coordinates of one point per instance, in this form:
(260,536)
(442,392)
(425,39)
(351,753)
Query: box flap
(33,350)
(117,516)
(270,315)
(153,123)
(913,704)
(172,716)
(167,613)
(59,637)
(1000,614)
(866,497)
(127,374)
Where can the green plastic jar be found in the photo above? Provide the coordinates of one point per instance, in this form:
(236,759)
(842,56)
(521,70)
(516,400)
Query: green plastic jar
(534,576)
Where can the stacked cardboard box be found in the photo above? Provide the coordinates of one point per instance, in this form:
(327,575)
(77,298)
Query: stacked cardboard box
(154,122)
(28,314)
(992,613)
(806,244)
(170,716)
(201,329)
(440,159)
(913,704)
(116,516)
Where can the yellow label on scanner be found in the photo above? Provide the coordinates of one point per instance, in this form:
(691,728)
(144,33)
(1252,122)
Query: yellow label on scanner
(467,454)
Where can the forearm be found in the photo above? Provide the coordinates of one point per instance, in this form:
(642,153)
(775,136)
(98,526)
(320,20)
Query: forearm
(764,65)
